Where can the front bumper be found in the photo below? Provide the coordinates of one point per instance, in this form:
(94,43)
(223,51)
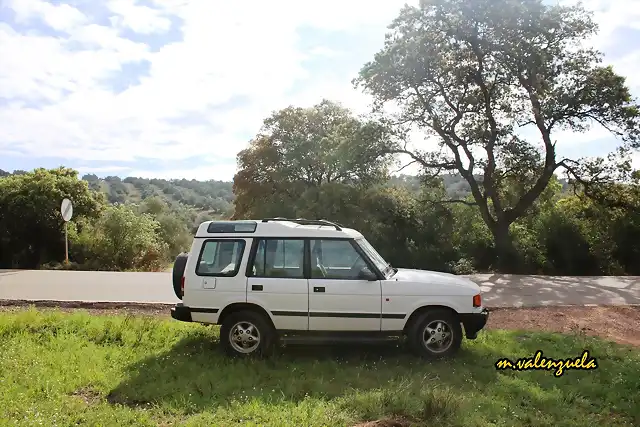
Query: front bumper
(474,323)
(180,312)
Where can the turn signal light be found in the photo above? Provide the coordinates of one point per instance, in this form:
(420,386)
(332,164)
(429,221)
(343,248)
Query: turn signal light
(182,286)
(477,301)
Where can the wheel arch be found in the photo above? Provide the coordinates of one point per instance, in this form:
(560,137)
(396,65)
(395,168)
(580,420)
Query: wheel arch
(243,306)
(424,309)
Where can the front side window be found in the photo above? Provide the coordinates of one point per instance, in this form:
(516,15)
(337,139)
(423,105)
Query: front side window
(375,257)
(335,259)
(280,258)
(220,257)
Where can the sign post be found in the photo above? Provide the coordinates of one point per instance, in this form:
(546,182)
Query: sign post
(67,212)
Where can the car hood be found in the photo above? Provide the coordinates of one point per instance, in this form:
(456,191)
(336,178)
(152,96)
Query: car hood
(434,278)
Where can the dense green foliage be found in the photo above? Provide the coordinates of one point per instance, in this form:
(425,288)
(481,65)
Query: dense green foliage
(408,218)
(78,369)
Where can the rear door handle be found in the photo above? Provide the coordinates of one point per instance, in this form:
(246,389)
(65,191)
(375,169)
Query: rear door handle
(318,289)
(256,287)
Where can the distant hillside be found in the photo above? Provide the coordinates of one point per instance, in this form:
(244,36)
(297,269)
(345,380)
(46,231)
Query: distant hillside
(455,185)
(216,197)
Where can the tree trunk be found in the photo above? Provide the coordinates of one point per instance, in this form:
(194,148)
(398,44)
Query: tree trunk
(506,258)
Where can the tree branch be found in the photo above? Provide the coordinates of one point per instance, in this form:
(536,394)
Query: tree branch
(417,159)
(467,174)
(464,202)
(406,166)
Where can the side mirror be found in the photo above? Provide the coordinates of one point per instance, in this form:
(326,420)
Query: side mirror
(366,274)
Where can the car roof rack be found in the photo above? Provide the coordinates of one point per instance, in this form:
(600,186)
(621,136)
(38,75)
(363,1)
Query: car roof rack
(303,221)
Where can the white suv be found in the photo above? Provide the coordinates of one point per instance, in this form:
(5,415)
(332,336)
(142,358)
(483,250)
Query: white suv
(290,280)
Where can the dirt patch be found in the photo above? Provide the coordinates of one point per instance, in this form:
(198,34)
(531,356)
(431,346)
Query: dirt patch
(620,324)
(617,323)
(88,395)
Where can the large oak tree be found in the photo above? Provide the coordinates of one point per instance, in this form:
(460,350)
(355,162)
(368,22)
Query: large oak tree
(472,73)
(299,150)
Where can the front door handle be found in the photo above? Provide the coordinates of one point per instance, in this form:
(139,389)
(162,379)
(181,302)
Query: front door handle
(256,287)
(318,289)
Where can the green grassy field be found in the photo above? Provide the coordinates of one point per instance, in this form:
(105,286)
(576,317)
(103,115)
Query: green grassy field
(60,369)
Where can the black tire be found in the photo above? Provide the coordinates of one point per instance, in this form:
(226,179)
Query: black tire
(430,318)
(178,270)
(265,330)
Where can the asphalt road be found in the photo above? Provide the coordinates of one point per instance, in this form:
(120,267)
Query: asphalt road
(498,290)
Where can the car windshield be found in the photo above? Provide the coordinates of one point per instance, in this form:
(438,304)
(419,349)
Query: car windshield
(377,259)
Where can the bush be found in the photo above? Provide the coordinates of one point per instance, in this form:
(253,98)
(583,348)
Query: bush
(123,239)
(462,266)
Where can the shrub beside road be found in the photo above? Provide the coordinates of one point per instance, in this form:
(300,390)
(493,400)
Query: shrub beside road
(63,368)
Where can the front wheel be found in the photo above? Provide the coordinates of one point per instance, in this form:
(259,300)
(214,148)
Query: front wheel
(245,334)
(435,334)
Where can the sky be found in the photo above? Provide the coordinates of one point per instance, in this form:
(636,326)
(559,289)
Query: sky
(175,88)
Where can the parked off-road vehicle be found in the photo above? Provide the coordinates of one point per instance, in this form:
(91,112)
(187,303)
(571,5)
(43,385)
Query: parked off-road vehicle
(288,280)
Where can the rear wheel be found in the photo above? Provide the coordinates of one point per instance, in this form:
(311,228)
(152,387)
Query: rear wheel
(435,334)
(246,334)
(178,270)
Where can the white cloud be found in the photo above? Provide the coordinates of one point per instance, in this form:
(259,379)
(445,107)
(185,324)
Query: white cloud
(59,17)
(610,16)
(228,51)
(42,68)
(141,19)
(324,51)
(635,161)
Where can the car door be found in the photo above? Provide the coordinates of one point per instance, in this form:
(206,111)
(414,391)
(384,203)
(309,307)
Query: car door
(276,281)
(339,299)
(218,280)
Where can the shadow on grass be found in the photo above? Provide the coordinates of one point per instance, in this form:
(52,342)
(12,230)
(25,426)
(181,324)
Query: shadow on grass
(374,381)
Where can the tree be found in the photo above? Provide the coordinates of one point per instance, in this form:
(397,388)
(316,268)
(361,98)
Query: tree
(31,225)
(475,73)
(299,149)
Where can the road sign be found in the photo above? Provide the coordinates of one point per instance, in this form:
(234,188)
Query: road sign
(67,212)
(66,209)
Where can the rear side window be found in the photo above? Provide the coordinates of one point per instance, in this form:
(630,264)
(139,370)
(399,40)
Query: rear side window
(220,257)
(279,258)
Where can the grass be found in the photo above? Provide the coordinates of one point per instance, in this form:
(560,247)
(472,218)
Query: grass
(60,369)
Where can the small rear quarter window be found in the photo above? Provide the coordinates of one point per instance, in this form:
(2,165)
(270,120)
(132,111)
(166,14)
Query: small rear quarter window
(232,227)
